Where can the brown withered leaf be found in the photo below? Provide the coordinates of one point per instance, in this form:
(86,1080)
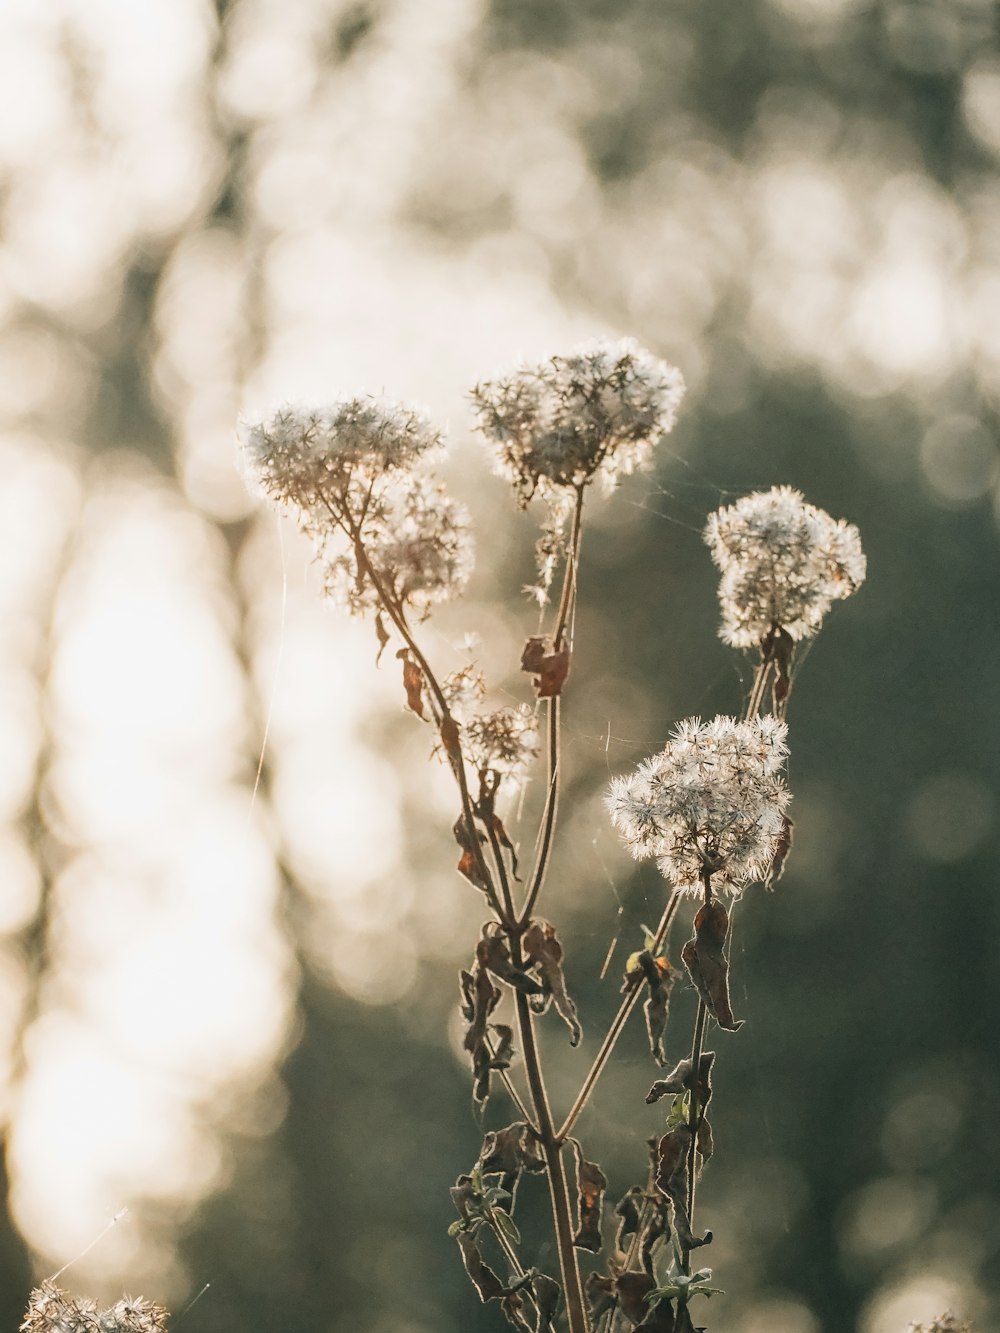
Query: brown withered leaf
(510,1151)
(632,1289)
(547,1293)
(451,741)
(673,1152)
(468,863)
(500,833)
(550,668)
(493,952)
(591,1182)
(413,683)
(484,1279)
(679,1080)
(705,959)
(479,998)
(600,1293)
(545,952)
(777,867)
(659,978)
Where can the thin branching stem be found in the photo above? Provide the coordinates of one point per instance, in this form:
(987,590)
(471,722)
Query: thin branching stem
(552,797)
(617,1024)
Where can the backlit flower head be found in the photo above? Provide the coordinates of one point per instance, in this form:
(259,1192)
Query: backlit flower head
(312,457)
(51,1310)
(356,476)
(596,411)
(505,741)
(712,801)
(784,563)
(945,1323)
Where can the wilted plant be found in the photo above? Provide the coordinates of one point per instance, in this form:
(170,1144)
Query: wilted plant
(710,807)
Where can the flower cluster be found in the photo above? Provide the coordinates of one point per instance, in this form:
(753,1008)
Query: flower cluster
(505,742)
(356,474)
(711,803)
(784,563)
(598,410)
(51,1310)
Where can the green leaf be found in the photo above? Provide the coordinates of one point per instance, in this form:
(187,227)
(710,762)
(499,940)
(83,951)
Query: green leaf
(505,1223)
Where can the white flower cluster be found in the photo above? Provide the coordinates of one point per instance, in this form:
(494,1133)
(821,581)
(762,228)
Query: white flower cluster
(598,410)
(784,563)
(712,801)
(356,474)
(53,1311)
(505,741)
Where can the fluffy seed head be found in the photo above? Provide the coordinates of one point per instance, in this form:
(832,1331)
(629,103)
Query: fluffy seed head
(784,563)
(505,741)
(311,456)
(944,1323)
(356,475)
(712,801)
(51,1310)
(599,409)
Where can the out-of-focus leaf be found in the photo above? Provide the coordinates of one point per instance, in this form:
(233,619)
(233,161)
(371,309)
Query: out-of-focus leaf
(382,634)
(413,683)
(786,838)
(591,1182)
(705,959)
(545,952)
(549,668)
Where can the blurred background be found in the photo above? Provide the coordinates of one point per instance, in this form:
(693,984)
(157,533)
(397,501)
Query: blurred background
(228,1004)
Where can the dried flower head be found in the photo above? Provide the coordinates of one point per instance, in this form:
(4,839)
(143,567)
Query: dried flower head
(51,1310)
(598,410)
(712,802)
(417,544)
(356,475)
(313,457)
(505,742)
(784,563)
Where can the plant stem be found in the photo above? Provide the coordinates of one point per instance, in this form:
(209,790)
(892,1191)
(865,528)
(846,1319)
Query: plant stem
(552,797)
(555,1170)
(694,1119)
(617,1024)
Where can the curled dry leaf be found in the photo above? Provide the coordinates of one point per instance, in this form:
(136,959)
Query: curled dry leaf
(545,952)
(382,634)
(510,1151)
(673,1153)
(660,978)
(550,668)
(777,867)
(493,952)
(591,1182)
(468,863)
(413,683)
(547,1293)
(705,959)
(680,1080)
(479,998)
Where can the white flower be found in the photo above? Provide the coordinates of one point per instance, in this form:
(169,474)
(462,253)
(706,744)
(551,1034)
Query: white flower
(712,801)
(356,475)
(599,409)
(784,563)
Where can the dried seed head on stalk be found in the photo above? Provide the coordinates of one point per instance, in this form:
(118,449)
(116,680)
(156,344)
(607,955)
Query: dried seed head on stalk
(944,1323)
(356,475)
(712,800)
(505,741)
(51,1310)
(784,563)
(596,411)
